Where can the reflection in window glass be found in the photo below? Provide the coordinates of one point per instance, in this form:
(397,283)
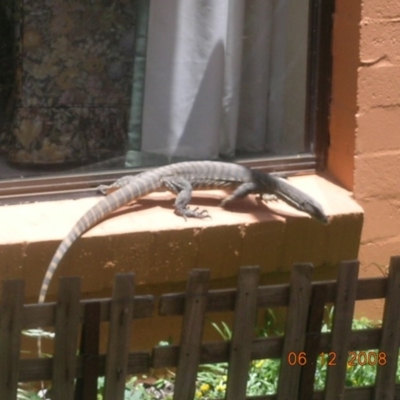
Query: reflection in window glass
(109,85)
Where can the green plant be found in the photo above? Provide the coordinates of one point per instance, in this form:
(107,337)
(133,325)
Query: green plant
(263,374)
(133,390)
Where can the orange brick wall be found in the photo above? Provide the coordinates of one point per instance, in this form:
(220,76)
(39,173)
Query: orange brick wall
(365,123)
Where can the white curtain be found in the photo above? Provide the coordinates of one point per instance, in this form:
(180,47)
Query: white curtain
(210,73)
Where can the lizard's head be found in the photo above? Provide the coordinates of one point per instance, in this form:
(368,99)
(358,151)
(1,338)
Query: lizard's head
(281,188)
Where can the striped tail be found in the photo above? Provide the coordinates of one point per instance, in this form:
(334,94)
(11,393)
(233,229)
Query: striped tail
(103,208)
(62,249)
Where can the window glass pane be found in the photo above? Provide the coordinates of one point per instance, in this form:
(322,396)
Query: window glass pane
(108,85)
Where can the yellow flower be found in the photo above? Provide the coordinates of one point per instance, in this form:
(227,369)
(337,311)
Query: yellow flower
(198,394)
(205,387)
(259,364)
(220,387)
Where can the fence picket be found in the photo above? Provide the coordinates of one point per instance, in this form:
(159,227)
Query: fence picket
(243,332)
(390,339)
(313,342)
(66,339)
(86,386)
(11,314)
(192,331)
(119,337)
(341,329)
(295,331)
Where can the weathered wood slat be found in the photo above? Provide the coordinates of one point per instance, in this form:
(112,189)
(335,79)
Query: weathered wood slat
(119,337)
(35,369)
(10,336)
(313,339)
(341,329)
(167,356)
(243,332)
(269,296)
(213,352)
(390,340)
(216,352)
(86,387)
(192,332)
(295,331)
(219,300)
(361,393)
(66,339)
(44,314)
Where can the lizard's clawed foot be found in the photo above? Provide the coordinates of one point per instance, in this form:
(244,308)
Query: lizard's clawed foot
(103,189)
(269,197)
(194,213)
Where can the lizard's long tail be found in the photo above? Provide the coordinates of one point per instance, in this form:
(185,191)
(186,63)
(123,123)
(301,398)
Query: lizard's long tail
(103,208)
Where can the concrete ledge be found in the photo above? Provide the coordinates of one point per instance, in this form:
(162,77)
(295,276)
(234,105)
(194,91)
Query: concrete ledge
(161,248)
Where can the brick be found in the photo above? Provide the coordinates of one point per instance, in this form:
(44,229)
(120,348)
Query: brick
(379,43)
(379,8)
(377,175)
(381,218)
(378,87)
(378,130)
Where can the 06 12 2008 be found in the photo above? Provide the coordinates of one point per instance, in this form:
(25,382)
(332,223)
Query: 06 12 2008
(354,358)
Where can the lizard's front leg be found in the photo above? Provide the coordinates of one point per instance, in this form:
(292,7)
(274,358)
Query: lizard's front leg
(183,190)
(240,192)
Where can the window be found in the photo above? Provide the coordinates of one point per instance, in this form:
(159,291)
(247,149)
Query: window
(89,91)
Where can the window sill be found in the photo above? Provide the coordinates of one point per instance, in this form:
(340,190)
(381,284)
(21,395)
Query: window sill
(161,248)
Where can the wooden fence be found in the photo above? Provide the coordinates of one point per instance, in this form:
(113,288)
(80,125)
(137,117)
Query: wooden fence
(75,376)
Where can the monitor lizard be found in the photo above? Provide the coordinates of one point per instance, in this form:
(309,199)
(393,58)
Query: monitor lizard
(181,178)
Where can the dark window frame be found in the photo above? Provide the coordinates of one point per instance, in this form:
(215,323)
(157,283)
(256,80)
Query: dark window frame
(319,74)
